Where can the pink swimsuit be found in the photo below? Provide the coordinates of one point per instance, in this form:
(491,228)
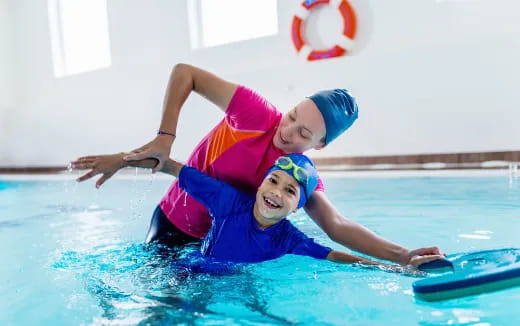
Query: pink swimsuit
(239,151)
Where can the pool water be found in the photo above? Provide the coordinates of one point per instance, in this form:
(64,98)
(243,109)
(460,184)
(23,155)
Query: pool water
(73,255)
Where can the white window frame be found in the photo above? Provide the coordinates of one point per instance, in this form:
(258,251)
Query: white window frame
(62,61)
(195,17)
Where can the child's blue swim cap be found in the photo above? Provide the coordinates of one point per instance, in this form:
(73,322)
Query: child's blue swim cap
(339,110)
(302,169)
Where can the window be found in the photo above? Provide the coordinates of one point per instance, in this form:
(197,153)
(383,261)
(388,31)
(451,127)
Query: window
(79,36)
(216,22)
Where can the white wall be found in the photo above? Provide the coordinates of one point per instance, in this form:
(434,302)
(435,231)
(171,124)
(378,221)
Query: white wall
(430,76)
(6,97)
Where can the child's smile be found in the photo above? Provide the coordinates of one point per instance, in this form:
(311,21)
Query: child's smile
(276,198)
(271,203)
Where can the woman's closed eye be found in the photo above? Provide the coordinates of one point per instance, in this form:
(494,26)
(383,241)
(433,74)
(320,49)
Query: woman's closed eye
(304,134)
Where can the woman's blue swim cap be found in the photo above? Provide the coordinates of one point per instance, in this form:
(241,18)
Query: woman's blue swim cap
(305,163)
(339,110)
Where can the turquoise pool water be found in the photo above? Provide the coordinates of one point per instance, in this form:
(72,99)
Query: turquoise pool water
(73,255)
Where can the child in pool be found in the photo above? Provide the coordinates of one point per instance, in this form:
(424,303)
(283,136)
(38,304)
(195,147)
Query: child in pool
(251,229)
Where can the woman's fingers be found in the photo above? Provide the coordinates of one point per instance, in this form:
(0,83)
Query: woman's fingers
(139,156)
(87,176)
(425,251)
(84,162)
(154,149)
(419,260)
(85,159)
(83,165)
(433,250)
(103,178)
(129,156)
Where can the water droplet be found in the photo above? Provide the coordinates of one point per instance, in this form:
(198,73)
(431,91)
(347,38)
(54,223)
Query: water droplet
(513,174)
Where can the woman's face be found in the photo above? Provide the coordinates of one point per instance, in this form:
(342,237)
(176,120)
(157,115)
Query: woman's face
(301,129)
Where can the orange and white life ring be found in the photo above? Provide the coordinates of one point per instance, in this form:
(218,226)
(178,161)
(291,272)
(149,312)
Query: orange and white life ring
(349,30)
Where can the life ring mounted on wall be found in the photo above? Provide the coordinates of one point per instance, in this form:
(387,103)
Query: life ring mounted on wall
(349,30)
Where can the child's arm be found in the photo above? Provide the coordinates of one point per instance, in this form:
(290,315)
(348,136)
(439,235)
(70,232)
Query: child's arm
(342,257)
(171,167)
(218,197)
(108,165)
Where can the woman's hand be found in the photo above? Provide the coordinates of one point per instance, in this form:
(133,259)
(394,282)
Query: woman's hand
(411,268)
(158,149)
(410,255)
(419,260)
(107,165)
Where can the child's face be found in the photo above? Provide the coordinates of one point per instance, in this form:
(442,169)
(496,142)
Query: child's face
(300,129)
(277,196)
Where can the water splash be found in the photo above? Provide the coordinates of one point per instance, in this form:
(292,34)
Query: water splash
(513,174)
(140,195)
(70,190)
(186,217)
(134,283)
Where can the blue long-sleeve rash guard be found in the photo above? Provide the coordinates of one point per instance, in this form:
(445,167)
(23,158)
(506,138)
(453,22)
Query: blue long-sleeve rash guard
(234,235)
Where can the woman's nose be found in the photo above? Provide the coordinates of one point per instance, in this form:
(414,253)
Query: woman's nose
(288,133)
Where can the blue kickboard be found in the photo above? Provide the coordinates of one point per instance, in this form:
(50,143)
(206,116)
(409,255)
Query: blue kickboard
(469,274)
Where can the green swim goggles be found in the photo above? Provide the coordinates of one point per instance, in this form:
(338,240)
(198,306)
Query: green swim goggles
(300,174)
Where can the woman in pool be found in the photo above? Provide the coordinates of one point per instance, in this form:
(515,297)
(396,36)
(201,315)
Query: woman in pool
(239,150)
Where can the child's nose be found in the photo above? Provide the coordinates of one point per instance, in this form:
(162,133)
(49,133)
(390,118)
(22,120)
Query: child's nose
(276,192)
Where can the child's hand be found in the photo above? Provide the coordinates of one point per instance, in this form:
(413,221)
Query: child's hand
(107,165)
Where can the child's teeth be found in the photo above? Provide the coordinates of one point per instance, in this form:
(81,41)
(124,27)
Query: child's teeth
(271,202)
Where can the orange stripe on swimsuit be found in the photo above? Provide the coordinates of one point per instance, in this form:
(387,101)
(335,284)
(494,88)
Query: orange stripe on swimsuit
(223,138)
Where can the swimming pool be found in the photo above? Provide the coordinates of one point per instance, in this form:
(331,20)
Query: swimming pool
(73,255)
